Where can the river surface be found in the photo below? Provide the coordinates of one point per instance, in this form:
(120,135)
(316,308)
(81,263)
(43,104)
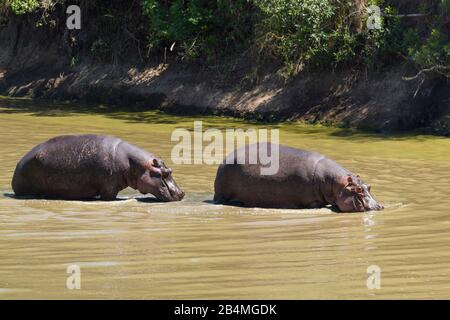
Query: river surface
(138,249)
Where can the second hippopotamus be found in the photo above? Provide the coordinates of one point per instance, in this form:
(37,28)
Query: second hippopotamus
(304,180)
(86,166)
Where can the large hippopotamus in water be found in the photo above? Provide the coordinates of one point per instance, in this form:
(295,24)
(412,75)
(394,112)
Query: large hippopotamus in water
(86,166)
(304,180)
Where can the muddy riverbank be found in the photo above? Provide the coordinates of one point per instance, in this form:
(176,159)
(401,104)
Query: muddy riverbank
(44,63)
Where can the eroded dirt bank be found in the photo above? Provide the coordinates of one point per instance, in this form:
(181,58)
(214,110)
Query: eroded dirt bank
(38,62)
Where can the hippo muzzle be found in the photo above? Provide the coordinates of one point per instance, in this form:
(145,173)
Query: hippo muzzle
(355,196)
(157,180)
(169,191)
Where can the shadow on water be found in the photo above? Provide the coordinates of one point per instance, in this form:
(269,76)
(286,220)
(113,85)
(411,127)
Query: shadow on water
(144,114)
(240,205)
(145,199)
(41,108)
(130,113)
(13,196)
(148,200)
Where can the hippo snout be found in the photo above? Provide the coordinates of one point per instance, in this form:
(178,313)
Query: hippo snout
(175,193)
(177,196)
(375,207)
(370,203)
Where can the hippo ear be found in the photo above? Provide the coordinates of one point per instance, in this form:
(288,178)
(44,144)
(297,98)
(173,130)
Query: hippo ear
(154,167)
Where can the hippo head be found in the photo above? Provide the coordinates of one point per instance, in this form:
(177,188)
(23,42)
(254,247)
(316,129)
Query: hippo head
(354,196)
(157,180)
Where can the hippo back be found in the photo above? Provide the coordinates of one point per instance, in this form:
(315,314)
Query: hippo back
(290,187)
(66,164)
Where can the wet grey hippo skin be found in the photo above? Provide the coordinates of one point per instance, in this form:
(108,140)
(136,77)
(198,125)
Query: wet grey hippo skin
(304,180)
(86,166)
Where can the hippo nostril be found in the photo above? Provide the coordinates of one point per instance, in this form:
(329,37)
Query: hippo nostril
(377,207)
(177,194)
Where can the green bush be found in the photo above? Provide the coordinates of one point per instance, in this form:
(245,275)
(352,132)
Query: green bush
(101,50)
(305,32)
(297,33)
(198,28)
(315,33)
(20,7)
(433,49)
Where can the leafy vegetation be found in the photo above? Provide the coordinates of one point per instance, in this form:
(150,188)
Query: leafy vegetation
(433,49)
(20,7)
(298,34)
(101,49)
(199,28)
(316,33)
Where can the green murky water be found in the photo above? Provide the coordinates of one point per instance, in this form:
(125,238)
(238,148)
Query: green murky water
(194,249)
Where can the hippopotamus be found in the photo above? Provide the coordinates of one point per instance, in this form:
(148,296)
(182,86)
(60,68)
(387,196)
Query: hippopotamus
(86,166)
(304,179)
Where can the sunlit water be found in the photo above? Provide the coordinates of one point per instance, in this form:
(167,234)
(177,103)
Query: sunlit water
(194,249)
